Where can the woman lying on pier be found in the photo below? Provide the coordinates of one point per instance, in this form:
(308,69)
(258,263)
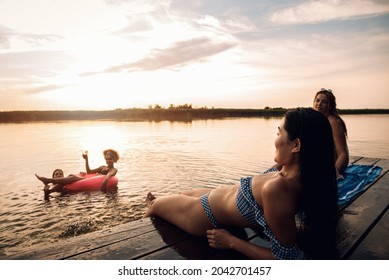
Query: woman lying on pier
(299,200)
(58,179)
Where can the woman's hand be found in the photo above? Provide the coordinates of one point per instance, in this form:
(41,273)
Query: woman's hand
(85,155)
(104,186)
(219,238)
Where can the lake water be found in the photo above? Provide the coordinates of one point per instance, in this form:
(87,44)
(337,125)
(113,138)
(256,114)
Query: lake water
(163,157)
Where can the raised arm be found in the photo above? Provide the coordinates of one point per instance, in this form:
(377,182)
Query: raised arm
(87,168)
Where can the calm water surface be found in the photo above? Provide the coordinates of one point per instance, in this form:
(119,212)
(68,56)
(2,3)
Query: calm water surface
(163,157)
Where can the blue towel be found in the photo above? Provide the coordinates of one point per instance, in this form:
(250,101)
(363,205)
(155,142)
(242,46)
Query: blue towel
(356,177)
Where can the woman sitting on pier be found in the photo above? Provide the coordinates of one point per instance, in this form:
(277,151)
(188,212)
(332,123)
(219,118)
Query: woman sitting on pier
(305,187)
(325,102)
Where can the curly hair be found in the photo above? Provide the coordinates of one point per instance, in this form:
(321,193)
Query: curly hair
(114,154)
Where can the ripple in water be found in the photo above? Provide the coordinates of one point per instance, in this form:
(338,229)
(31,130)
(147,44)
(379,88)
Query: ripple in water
(79,228)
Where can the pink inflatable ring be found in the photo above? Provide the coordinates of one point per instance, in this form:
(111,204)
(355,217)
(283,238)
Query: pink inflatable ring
(92,182)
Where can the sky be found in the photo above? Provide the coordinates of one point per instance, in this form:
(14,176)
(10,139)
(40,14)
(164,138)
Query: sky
(111,54)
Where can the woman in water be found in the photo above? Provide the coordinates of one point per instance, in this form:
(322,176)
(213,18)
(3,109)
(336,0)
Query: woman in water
(305,187)
(110,156)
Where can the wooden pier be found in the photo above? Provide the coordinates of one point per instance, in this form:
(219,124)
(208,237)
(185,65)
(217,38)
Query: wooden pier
(364,234)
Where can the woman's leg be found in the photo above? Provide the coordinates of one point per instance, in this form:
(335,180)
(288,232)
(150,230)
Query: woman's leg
(196,192)
(184,211)
(61,181)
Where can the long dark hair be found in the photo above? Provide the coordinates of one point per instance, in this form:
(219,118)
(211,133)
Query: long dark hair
(318,203)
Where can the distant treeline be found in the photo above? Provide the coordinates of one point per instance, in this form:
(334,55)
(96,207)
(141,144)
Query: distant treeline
(157,113)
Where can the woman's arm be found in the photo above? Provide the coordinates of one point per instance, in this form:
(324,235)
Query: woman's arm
(110,174)
(222,239)
(340,142)
(94,171)
(87,168)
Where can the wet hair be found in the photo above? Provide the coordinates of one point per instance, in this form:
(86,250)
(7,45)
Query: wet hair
(114,154)
(332,106)
(56,171)
(318,209)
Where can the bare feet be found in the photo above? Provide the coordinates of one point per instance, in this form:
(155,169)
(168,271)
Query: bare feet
(149,199)
(43,179)
(149,202)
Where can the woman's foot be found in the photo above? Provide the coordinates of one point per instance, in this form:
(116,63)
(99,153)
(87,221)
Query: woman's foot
(149,202)
(44,180)
(149,199)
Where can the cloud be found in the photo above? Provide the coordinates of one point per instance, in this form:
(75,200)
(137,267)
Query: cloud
(27,90)
(326,10)
(6,34)
(36,39)
(33,63)
(27,73)
(179,54)
(231,25)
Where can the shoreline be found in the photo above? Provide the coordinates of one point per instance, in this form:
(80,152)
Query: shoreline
(158,114)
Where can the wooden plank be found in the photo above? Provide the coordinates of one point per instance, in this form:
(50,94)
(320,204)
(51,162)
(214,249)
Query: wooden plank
(125,249)
(157,243)
(87,242)
(361,215)
(169,253)
(164,235)
(353,159)
(195,248)
(375,246)
(384,163)
(367,161)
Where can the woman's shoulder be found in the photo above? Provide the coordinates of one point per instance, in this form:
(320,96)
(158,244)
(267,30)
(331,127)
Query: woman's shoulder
(111,170)
(283,185)
(278,194)
(334,119)
(276,187)
(337,123)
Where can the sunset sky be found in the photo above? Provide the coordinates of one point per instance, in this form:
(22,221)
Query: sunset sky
(108,54)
